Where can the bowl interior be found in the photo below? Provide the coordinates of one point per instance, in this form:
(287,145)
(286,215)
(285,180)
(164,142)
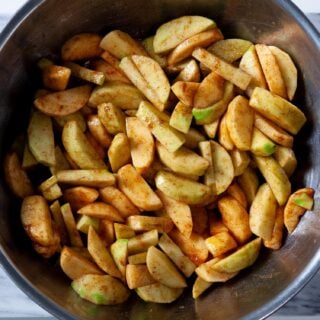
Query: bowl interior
(40,29)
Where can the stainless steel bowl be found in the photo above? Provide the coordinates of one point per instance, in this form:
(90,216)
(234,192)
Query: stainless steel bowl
(40,28)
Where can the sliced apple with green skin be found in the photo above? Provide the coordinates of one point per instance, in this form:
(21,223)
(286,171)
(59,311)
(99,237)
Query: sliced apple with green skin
(276,178)
(172,33)
(148,45)
(286,158)
(288,70)
(119,252)
(235,218)
(271,70)
(158,293)
(296,207)
(230,50)
(262,213)
(239,121)
(101,255)
(157,79)
(181,117)
(101,290)
(122,95)
(163,270)
(64,102)
(183,161)
(143,241)
(182,189)
(251,65)
(79,149)
(85,222)
(235,75)
(282,112)
(137,190)
(123,231)
(184,264)
(120,44)
(213,113)
(179,213)
(41,139)
(241,259)
(261,145)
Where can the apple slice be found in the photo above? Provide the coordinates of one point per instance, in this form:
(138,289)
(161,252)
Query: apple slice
(261,145)
(179,213)
(288,70)
(138,275)
(240,160)
(185,91)
(286,158)
(79,149)
(143,241)
(163,270)
(158,293)
(190,73)
(64,102)
(121,44)
(271,70)
(148,45)
(249,183)
(101,210)
(172,33)
(199,287)
(185,48)
(119,152)
(141,144)
(137,189)
(145,223)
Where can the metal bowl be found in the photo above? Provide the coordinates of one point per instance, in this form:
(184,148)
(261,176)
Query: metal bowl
(40,28)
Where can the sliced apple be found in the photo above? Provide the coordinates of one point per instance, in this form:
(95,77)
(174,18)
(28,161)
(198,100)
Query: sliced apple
(271,70)
(148,45)
(282,112)
(224,135)
(190,73)
(138,275)
(64,102)
(179,213)
(181,117)
(235,191)
(141,243)
(172,33)
(141,144)
(220,243)
(185,91)
(119,252)
(158,293)
(120,44)
(79,149)
(185,48)
(249,183)
(199,287)
(240,160)
(80,196)
(137,190)
(146,223)
(288,70)
(119,152)
(261,145)
(101,210)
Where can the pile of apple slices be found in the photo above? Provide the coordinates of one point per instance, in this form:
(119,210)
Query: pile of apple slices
(152,153)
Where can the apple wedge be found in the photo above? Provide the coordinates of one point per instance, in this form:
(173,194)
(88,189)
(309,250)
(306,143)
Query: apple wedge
(240,160)
(184,264)
(286,158)
(275,241)
(211,129)
(141,243)
(236,192)
(137,189)
(261,145)
(185,91)
(41,139)
(181,188)
(224,135)
(282,112)
(271,70)
(227,71)
(120,44)
(249,183)
(101,255)
(122,95)
(235,218)
(112,118)
(276,178)
(172,33)
(199,287)
(100,290)
(240,122)
(101,210)
(190,73)
(141,144)
(163,270)
(183,161)
(185,48)
(64,102)
(262,213)
(85,222)
(82,46)
(251,65)
(241,259)
(16,178)
(119,152)
(119,252)
(145,223)
(181,117)
(138,275)
(230,50)
(79,149)
(179,213)
(158,293)
(148,45)
(138,258)
(210,91)
(75,265)
(78,197)
(288,70)
(220,244)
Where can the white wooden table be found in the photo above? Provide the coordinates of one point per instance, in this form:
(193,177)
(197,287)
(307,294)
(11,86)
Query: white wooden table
(15,305)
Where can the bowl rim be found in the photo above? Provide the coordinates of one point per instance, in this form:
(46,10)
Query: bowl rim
(55,309)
